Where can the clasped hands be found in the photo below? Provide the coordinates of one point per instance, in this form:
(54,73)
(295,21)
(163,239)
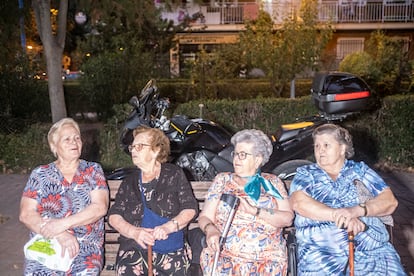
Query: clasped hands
(54,228)
(348,218)
(148,236)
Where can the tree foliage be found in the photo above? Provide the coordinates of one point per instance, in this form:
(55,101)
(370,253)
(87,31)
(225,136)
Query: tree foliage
(113,77)
(286,51)
(361,64)
(116,25)
(9,33)
(208,69)
(127,42)
(384,61)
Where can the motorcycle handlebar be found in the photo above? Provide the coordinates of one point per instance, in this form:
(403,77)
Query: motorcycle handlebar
(134,101)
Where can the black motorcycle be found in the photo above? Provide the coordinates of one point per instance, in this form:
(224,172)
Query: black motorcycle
(203,149)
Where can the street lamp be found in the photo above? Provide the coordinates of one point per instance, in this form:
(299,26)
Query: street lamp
(22,32)
(80,18)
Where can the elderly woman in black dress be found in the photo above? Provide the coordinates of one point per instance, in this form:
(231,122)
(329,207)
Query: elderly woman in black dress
(152,207)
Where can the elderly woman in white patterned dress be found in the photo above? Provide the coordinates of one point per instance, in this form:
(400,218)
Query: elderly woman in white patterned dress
(255,244)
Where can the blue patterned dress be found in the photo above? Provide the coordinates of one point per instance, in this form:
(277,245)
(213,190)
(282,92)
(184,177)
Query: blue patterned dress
(323,248)
(57,198)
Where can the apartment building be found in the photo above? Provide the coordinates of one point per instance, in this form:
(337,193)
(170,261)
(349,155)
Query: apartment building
(217,22)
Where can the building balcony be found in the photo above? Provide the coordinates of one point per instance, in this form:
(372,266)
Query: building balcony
(343,14)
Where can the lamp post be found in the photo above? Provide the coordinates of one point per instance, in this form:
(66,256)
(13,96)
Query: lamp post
(80,18)
(22,33)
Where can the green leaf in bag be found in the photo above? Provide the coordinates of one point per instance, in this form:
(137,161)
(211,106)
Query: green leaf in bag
(42,246)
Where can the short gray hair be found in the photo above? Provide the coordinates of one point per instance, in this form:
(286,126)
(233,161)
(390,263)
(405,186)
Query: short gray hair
(51,136)
(262,145)
(340,134)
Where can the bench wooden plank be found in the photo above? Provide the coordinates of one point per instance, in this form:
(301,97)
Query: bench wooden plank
(200,189)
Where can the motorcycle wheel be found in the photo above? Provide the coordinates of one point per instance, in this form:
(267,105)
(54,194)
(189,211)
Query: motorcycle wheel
(286,171)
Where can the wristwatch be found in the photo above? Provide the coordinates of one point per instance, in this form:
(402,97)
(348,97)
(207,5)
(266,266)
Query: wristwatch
(363,205)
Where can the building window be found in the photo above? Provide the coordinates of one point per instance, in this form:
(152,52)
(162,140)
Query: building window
(405,42)
(346,46)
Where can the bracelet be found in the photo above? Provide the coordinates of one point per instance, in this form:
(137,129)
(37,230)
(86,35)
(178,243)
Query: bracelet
(176,224)
(258,212)
(207,225)
(363,205)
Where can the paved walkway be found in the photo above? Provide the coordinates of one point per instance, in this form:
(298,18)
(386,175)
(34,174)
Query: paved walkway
(13,234)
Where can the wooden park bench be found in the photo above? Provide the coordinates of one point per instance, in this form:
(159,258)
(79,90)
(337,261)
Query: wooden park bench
(111,235)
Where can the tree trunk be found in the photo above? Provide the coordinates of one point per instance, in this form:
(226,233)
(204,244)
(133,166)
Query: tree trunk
(53,44)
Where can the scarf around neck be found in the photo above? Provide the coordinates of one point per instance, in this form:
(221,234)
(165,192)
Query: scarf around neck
(254,184)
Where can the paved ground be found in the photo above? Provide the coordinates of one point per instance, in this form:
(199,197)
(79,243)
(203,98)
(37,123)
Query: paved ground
(13,234)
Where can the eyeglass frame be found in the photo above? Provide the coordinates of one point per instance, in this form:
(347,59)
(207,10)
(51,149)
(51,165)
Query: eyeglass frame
(242,153)
(139,145)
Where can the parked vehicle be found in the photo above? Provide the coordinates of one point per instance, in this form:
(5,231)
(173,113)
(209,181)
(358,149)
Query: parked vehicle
(203,149)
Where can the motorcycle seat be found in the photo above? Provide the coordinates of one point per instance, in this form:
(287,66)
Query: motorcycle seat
(289,131)
(184,126)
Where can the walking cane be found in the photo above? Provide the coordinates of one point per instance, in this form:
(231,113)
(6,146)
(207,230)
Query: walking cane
(351,241)
(233,202)
(150,273)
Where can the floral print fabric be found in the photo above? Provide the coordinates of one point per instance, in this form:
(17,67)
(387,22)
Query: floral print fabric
(57,198)
(135,262)
(253,247)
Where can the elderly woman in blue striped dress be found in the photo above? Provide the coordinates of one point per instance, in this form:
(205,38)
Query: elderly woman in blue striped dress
(327,199)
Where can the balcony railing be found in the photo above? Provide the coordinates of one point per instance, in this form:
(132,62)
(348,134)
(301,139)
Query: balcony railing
(336,12)
(363,12)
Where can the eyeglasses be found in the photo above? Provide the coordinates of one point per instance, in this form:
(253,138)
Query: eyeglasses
(137,147)
(241,155)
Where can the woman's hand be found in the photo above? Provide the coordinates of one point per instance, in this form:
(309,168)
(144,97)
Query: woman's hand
(161,232)
(50,228)
(143,236)
(346,218)
(355,225)
(212,237)
(68,242)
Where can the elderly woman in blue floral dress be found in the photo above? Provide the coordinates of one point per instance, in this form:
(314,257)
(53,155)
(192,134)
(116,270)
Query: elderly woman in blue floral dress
(329,203)
(67,200)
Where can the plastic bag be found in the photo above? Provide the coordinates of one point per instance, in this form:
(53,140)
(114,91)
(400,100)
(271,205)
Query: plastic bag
(48,252)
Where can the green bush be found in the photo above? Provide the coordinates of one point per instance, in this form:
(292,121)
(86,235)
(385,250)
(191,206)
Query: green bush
(388,130)
(24,98)
(360,64)
(111,154)
(392,126)
(21,152)
(266,114)
(182,91)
